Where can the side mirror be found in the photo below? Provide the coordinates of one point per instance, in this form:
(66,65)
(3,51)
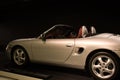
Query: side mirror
(42,36)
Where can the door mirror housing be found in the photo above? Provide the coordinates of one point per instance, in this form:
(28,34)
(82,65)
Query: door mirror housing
(42,36)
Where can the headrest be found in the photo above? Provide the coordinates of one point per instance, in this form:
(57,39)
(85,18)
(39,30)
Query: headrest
(84,31)
(93,30)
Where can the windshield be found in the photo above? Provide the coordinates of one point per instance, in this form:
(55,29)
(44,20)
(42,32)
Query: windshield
(57,30)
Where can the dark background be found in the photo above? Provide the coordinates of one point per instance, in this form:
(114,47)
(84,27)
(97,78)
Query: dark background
(22,19)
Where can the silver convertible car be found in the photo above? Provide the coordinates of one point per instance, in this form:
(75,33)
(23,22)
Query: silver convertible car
(61,45)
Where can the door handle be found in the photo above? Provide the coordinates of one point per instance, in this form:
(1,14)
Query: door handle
(69,45)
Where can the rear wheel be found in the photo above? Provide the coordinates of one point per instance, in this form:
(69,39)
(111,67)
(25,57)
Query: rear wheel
(20,57)
(103,66)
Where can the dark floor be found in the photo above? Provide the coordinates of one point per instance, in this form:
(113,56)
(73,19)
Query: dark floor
(44,71)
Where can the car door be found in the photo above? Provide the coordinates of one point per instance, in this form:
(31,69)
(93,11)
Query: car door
(52,50)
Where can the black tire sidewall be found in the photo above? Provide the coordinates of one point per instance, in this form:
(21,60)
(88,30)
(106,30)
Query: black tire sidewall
(115,60)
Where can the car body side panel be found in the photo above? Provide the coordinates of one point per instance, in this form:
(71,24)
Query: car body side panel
(26,44)
(52,50)
(78,60)
(60,51)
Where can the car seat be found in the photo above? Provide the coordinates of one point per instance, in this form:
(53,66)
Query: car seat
(83,32)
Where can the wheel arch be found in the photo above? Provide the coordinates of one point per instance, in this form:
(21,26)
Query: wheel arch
(99,50)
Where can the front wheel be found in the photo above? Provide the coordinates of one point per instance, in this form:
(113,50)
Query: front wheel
(103,66)
(20,57)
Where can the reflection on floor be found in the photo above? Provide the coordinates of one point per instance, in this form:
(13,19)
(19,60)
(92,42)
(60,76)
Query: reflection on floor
(12,76)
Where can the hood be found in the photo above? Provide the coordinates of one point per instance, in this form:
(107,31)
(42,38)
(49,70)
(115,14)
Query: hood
(108,35)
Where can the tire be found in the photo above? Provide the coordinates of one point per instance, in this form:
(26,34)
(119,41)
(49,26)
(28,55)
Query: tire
(20,57)
(104,66)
